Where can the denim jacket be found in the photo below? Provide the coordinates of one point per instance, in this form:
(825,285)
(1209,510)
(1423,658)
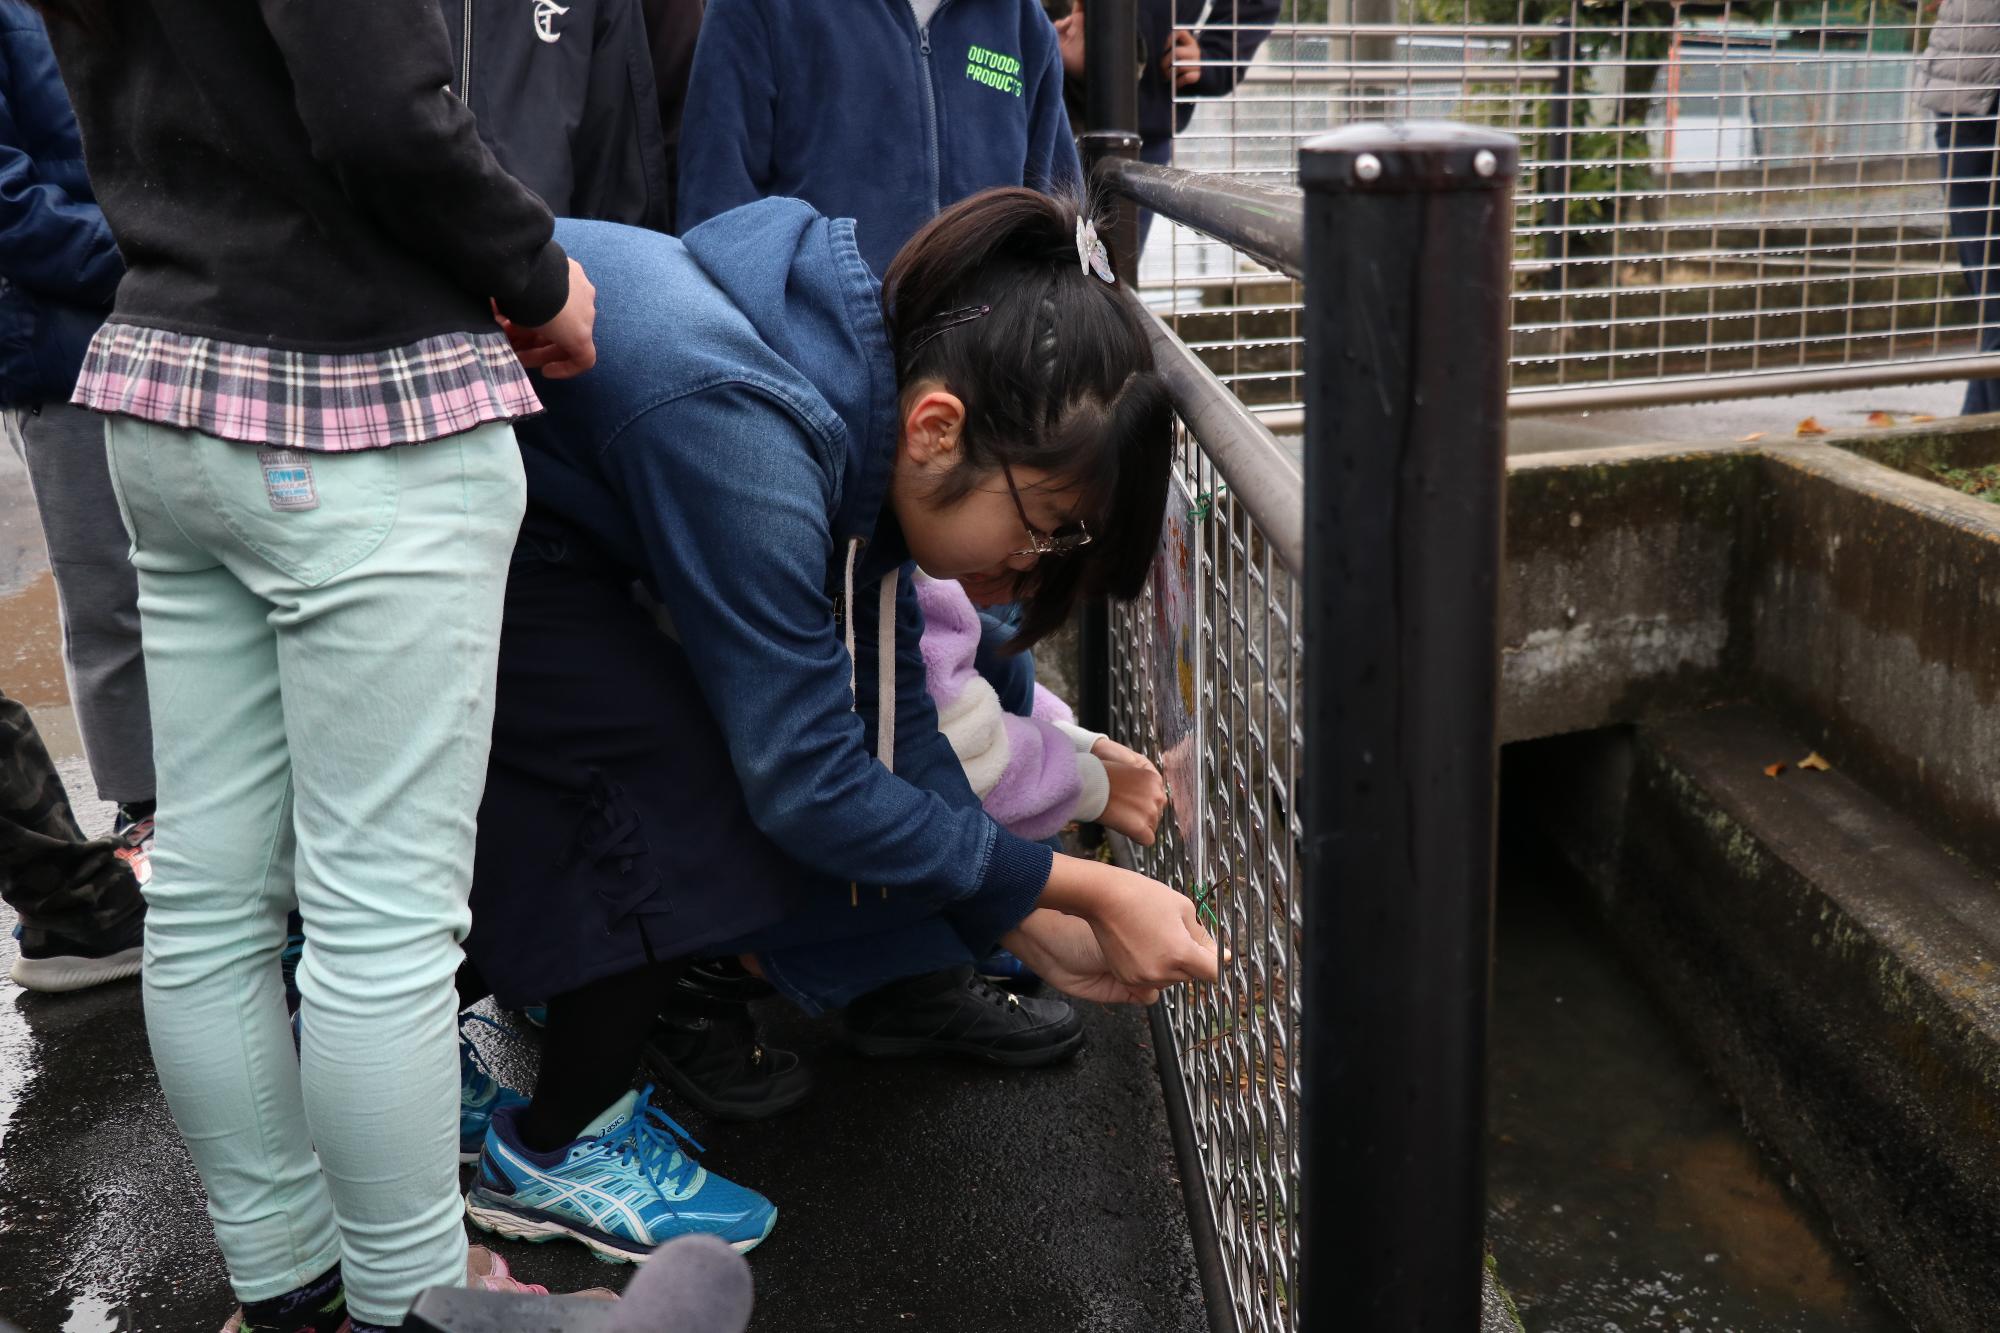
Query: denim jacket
(733,448)
(58,264)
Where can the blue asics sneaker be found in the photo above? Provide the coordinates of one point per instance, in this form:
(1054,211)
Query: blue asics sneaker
(1005,970)
(624,1188)
(480,1093)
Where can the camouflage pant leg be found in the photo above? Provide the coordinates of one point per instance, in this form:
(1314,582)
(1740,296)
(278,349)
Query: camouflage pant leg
(50,874)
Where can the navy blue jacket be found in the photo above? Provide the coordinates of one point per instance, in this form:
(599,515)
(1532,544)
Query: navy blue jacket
(735,438)
(564,96)
(58,264)
(847,105)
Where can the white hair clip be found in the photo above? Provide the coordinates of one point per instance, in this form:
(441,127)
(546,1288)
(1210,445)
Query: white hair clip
(1090,251)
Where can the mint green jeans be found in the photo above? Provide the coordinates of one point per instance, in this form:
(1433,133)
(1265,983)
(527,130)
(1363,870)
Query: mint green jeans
(320,637)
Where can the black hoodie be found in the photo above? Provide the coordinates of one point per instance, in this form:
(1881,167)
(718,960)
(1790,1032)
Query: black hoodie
(299,175)
(565,99)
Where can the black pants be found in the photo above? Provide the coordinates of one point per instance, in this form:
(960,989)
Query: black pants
(53,877)
(1972,193)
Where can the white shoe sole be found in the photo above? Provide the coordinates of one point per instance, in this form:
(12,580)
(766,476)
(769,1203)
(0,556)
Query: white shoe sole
(538,1231)
(70,973)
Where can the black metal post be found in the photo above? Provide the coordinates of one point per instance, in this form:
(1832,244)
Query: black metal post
(1111,98)
(1111,59)
(1407,254)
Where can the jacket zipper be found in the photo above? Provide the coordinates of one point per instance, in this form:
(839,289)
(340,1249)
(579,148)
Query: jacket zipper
(465,59)
(931,108)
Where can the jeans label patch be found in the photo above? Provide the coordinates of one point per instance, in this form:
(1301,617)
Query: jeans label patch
(288,479)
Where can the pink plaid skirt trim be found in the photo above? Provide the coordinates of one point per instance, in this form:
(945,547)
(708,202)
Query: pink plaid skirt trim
(330,402)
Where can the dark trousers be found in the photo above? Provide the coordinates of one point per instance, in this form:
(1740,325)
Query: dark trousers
(615,834)
(53,877)
(1971,165)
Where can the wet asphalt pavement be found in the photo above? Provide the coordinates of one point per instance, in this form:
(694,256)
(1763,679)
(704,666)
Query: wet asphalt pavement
(911,1196)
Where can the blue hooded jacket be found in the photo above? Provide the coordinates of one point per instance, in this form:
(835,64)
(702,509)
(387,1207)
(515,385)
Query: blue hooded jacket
(731,447)
(853,108)
(58,264)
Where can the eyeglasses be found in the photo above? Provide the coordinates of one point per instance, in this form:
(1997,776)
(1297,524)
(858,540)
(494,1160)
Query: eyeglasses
(1065,540)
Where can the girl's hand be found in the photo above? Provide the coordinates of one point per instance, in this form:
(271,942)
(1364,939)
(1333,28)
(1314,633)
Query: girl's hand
(1138,793)
(1063,952)
(563,348)
(1150,936)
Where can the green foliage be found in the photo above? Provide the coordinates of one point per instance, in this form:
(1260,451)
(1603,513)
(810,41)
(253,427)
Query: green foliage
(1983,482)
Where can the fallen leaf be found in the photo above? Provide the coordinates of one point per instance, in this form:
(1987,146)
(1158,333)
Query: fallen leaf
(1813,761)
(1753,435)
(1923,416)
(1881,419)
(1811,426)
(1772,770)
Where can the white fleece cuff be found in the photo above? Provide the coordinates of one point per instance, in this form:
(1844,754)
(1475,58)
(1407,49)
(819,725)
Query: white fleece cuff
(1096,792)
(1078,737)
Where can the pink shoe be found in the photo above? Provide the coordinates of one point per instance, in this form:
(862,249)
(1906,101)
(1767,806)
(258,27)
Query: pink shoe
(487,1271)
(235,1324)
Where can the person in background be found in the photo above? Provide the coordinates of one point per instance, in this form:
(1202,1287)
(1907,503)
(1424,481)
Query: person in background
(564,96)
(1187,49)
(317,244)
(883,111)
(1959,83)
(76,898)
(672,27)
(58,270)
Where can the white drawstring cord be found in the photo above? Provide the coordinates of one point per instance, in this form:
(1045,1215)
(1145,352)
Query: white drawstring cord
(847,612)
(885,647)
(885,674)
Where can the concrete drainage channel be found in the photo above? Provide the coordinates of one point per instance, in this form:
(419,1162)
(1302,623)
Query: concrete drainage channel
(1681,628)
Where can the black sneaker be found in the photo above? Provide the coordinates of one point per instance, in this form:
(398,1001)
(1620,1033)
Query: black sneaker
(715,1060)
(52,962)
(721,979)
(961,1013)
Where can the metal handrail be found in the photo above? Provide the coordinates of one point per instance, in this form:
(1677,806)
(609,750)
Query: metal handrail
(1266,222)
(1265,476)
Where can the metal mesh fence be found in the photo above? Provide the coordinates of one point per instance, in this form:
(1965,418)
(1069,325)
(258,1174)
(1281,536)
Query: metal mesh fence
(1206,672)
(1710,192)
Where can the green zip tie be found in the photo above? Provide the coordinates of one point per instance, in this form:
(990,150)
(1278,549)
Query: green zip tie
(1202,907)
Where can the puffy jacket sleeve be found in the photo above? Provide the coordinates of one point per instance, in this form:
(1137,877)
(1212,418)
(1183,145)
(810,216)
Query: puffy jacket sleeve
(726,474)
(1053,166)
(729,122)
(50,243)
(371,83)
(1025,771)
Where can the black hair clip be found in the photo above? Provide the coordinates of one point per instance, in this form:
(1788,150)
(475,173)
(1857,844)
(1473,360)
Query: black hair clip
(950,319)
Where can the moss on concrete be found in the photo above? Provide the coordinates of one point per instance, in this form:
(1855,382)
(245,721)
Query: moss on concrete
(1922,448)
(1498,1313)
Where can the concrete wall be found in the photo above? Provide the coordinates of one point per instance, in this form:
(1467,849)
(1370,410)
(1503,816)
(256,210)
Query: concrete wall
(1850,597)
(1625,591)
